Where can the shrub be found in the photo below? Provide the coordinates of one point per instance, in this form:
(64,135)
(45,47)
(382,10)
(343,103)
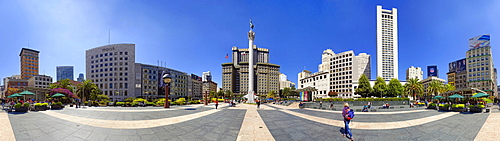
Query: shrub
(18,105)
(471,106)
(150,103)
(458,106)
(432,104)
(45,104)
(26,104)
(120,103)
(480,106)
(446,105)
(57,103)
(159,103)
(38,104)
(140,100)
(134,104)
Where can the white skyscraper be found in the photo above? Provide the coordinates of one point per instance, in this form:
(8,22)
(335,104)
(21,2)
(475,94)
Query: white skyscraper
(207,76)
(413,72)
(387,43)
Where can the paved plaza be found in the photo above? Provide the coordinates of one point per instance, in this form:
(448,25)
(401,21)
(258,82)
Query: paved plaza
(245,123)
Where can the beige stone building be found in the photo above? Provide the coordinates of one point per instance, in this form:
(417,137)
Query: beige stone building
(235,74)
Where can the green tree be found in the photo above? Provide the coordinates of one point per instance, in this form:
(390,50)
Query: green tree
(364,89)
(435,87)
(294,92)
(448,87)
(228,94)
(271,94)
(64,83)
(101,97)
(213,94)
(394,88)
(414,88)
(286,92)
(380,87)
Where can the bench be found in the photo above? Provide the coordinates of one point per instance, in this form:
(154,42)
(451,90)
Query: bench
(358,110)
(391,107)
(401,106)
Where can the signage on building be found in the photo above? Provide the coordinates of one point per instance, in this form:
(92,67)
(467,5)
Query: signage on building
(108,49)
(432,71)
(457,66)
(479,41)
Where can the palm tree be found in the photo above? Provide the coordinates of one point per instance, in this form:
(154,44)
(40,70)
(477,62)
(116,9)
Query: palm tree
(87,89)
(447,87)
(414,87)
(435,87)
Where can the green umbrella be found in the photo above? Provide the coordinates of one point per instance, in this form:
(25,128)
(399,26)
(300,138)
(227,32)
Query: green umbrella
(438,97)
(58,95)
(14,95)
(456,96)
(481,95)
(27,93)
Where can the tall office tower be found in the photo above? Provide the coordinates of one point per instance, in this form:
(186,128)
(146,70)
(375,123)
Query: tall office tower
(481,71)
(413,72)
(80,78)
(29,63)
(387,43)
(432,71)
(111,68)
(207,76)
(284,82)
(64,72)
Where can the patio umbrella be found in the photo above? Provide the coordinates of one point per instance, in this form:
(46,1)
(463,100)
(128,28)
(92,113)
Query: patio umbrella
(438,97)
(456,96)
(14,95)
(24,93)
(481,95)
(58,95)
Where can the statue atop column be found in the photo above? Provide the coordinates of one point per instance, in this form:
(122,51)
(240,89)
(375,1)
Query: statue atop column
(251,34)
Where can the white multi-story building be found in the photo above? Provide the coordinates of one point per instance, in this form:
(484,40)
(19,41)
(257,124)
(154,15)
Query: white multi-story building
(207,76)
(111,68)
(336,73)
(413,72)
(284,82)
(40,81)
(387,43)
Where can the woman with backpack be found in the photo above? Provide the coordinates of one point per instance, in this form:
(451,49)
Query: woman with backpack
(348,114)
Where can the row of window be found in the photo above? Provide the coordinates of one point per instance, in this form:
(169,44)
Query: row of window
(110,59)
(110,74)
(110,69)
(110,64)
(106,54)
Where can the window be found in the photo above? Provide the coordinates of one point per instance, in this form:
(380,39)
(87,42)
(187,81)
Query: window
(105,54)
(110,84)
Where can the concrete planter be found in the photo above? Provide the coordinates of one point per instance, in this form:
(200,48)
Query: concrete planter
(431,107)
(54,107)
(443,108)
(475,110)
(22,109)
(459,109)
(41,108)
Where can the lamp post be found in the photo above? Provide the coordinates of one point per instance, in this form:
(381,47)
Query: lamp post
(167,79)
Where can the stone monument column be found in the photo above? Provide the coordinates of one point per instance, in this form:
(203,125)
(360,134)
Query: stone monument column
(251,37)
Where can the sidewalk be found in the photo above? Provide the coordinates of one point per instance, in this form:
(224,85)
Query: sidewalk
(6,132)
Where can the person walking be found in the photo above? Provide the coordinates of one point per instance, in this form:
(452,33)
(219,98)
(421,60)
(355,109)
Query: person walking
(216,104)
(347,114)
(320,104)
(258,103)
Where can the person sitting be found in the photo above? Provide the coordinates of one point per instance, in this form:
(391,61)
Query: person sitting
(387,105)
(301,105)
(365,108)
(411,105)
(384,106)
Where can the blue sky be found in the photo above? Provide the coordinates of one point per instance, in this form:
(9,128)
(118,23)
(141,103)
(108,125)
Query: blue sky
(194,36)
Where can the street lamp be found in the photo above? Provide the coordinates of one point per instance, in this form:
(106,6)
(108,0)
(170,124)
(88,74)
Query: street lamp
(167,79)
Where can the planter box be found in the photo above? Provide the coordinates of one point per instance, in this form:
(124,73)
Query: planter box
(475,110)
(41,108)
(56,107)
(443,108)
(459,109)
(431,107)
(22,109)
